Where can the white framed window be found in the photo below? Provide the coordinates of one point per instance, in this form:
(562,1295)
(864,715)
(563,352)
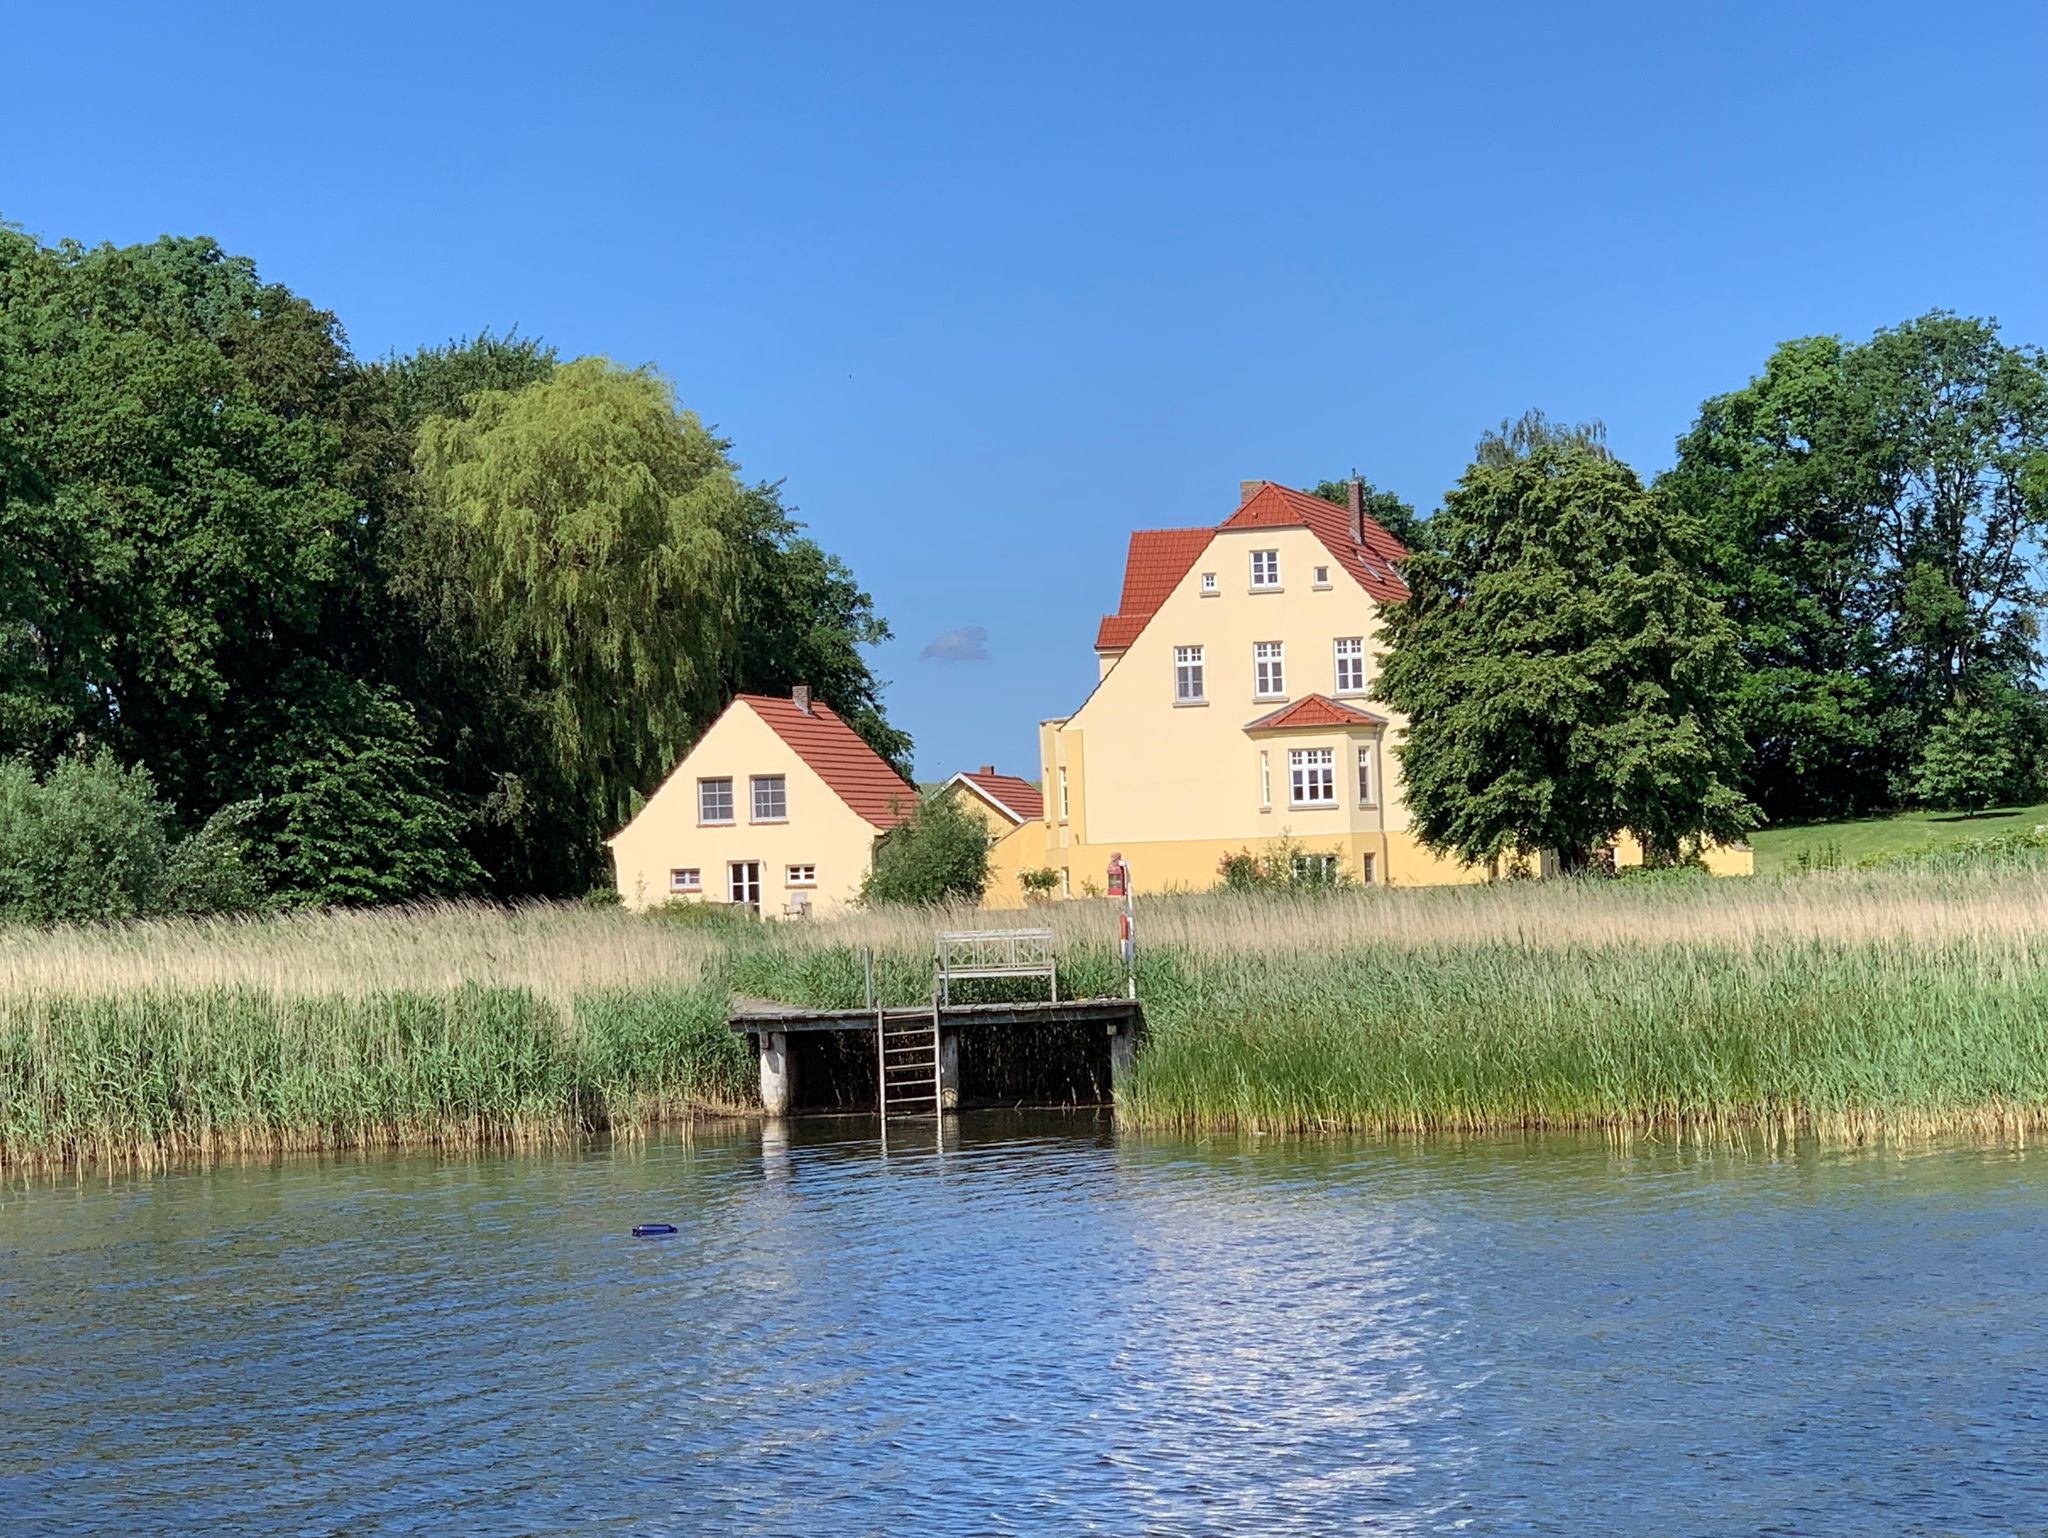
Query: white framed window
(714,800)
(1265,781)
(1187,675)
(1368,869)
(1315,869)
(1269,673)
(1365,775)
(771,798)
(1322,576)
(1350,664)
(1063,792)
(800,875)
(1312,776)
(1208,583)
(743,884)
(686,879)
(1265,568)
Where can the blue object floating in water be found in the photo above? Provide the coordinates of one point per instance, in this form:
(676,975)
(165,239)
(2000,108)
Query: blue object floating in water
(652,1230)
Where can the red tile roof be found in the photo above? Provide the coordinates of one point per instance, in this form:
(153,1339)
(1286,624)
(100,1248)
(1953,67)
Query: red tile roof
(1370,562)
(856,773)
(1157,560)
(1314,710)
(1019,798)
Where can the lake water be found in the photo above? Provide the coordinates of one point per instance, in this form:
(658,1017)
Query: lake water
(1042,1327)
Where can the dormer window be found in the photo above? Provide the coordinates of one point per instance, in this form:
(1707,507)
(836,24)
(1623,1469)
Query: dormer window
(1265,569)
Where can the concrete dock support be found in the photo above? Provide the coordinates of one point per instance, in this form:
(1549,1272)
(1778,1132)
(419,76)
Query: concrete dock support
(1123,1054)
(949,1069)
(778,1077)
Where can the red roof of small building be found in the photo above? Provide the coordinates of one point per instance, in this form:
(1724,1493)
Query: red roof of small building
(855,772)
(1314,710)
(1157,560)
(1019,798)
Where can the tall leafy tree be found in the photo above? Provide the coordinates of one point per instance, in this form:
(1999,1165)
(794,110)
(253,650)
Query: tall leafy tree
(1565,674)
(1875,518)
(1781,477)
(582,534)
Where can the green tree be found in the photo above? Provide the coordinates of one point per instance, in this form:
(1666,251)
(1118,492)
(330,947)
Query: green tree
(1398,518)
(349,808)
(579,532)
(1875,517)
(191,426)
(939,852)
(91,841)
(1565,676)
(1968,761)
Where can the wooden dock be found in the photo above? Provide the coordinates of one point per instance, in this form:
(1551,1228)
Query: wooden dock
(917,1048)
(916,1065)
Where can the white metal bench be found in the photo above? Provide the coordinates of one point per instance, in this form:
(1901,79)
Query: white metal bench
(966,953)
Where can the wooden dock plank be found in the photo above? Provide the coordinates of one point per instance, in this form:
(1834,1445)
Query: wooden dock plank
(755,1016)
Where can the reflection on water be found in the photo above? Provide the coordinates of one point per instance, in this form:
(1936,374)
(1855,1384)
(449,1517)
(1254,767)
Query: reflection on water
(1041,1327)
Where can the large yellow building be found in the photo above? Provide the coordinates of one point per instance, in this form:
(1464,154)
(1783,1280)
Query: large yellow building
(1232,711)
(776,808)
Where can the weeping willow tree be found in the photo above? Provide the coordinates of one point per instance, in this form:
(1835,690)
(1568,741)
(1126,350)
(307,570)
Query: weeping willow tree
(580,532)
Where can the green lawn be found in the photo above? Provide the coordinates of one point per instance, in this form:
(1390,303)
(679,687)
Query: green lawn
(1847,842)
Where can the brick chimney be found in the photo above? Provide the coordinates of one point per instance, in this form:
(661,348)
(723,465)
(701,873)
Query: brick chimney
(1246,490)
(988,769)
(800,697)
(1354,499)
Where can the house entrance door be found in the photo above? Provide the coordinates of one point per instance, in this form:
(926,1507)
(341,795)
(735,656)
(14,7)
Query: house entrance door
(743,883)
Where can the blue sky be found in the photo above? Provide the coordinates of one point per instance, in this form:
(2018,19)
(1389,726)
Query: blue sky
(989,287)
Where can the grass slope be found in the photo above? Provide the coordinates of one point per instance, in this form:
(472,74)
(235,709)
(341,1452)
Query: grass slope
(1845,843)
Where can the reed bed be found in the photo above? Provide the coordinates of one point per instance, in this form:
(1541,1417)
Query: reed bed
(1855,1004)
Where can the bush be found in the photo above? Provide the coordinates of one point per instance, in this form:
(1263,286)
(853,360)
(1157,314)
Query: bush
(1039,884)
(91,841)
(1288,866)
(939,852)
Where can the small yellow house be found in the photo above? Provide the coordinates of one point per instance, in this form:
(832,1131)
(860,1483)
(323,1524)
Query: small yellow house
(1000,802)
(1233,711)
(777,808)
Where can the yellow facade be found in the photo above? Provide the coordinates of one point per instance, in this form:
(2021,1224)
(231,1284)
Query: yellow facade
(819,831)
(1176,785)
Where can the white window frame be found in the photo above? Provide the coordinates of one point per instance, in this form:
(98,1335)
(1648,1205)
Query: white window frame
(1270,561)
(1208,584)
(1322,577)
(1317,860)
(1063,792)
(803,874)
(704,785)
(1269,670)
(1188,681)
(759,785)
(1265,781)
(1314,771)
(735,886)
(1368,868)
(686,878)
(1367,779)
(1349,649)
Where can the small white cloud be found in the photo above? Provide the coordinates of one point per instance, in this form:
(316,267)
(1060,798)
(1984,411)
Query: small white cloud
(967,644)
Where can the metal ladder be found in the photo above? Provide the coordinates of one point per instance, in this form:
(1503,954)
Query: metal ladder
(907,1058)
